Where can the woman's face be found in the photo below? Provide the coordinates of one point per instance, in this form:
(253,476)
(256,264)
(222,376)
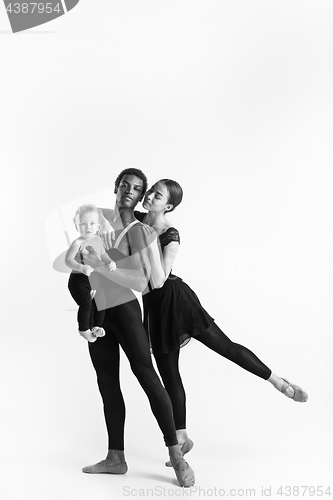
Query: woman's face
(157,198)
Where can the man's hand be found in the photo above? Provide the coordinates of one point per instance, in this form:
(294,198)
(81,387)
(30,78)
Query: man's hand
(91,258)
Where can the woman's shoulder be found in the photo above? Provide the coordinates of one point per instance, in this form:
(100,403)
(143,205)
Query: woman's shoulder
(170,229)
(169,235)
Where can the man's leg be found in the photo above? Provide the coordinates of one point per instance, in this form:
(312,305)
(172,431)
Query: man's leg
(105,358)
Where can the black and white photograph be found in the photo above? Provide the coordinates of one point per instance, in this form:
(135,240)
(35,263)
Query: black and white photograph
(167,301)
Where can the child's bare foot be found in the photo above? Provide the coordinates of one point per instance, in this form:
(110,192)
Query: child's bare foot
(98,331)
(88,335)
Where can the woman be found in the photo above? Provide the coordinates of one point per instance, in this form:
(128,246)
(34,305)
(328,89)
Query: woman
(173,313)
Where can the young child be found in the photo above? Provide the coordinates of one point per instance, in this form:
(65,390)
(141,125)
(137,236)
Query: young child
(90,320)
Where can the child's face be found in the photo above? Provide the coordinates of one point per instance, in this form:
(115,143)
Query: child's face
(88,224)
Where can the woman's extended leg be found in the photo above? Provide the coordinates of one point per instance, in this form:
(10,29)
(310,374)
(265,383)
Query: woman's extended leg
(216,340)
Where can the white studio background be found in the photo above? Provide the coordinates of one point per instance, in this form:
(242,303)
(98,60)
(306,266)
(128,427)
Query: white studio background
(233,99)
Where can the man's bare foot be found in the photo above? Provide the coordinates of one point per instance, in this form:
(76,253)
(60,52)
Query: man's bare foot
(183,471)
(113,464)
(88,335)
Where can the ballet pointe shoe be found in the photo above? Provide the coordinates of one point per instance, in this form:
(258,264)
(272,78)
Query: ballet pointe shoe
(299,395)
(113,464)
(183,471)
(186,447)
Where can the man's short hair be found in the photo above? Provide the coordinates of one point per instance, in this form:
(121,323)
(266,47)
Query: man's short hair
(137,173)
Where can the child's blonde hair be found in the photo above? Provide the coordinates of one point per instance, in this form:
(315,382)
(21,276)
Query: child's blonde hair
(83,209)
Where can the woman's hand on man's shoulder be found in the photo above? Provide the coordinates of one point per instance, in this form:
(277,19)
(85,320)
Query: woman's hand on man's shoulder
(105,232)
(143,236)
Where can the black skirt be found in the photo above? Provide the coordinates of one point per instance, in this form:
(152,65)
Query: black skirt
(172,315)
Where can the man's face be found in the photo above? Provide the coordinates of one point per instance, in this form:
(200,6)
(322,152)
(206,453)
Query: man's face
(129,191)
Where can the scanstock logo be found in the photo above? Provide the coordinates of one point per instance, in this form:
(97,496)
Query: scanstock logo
(25,15)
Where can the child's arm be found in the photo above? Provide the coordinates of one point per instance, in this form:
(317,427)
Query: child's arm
(111,263)
(72,263)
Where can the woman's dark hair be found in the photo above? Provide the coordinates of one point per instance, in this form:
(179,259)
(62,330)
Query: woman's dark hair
(137,173)
(175,192)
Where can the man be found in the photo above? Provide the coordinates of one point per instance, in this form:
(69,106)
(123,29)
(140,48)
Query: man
(136,246)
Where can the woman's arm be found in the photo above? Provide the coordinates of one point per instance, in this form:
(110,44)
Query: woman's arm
(169,256)
(166,262)
(155,261)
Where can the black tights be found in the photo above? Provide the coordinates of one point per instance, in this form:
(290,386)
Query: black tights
(124,327)
(216,340)
(168,368)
